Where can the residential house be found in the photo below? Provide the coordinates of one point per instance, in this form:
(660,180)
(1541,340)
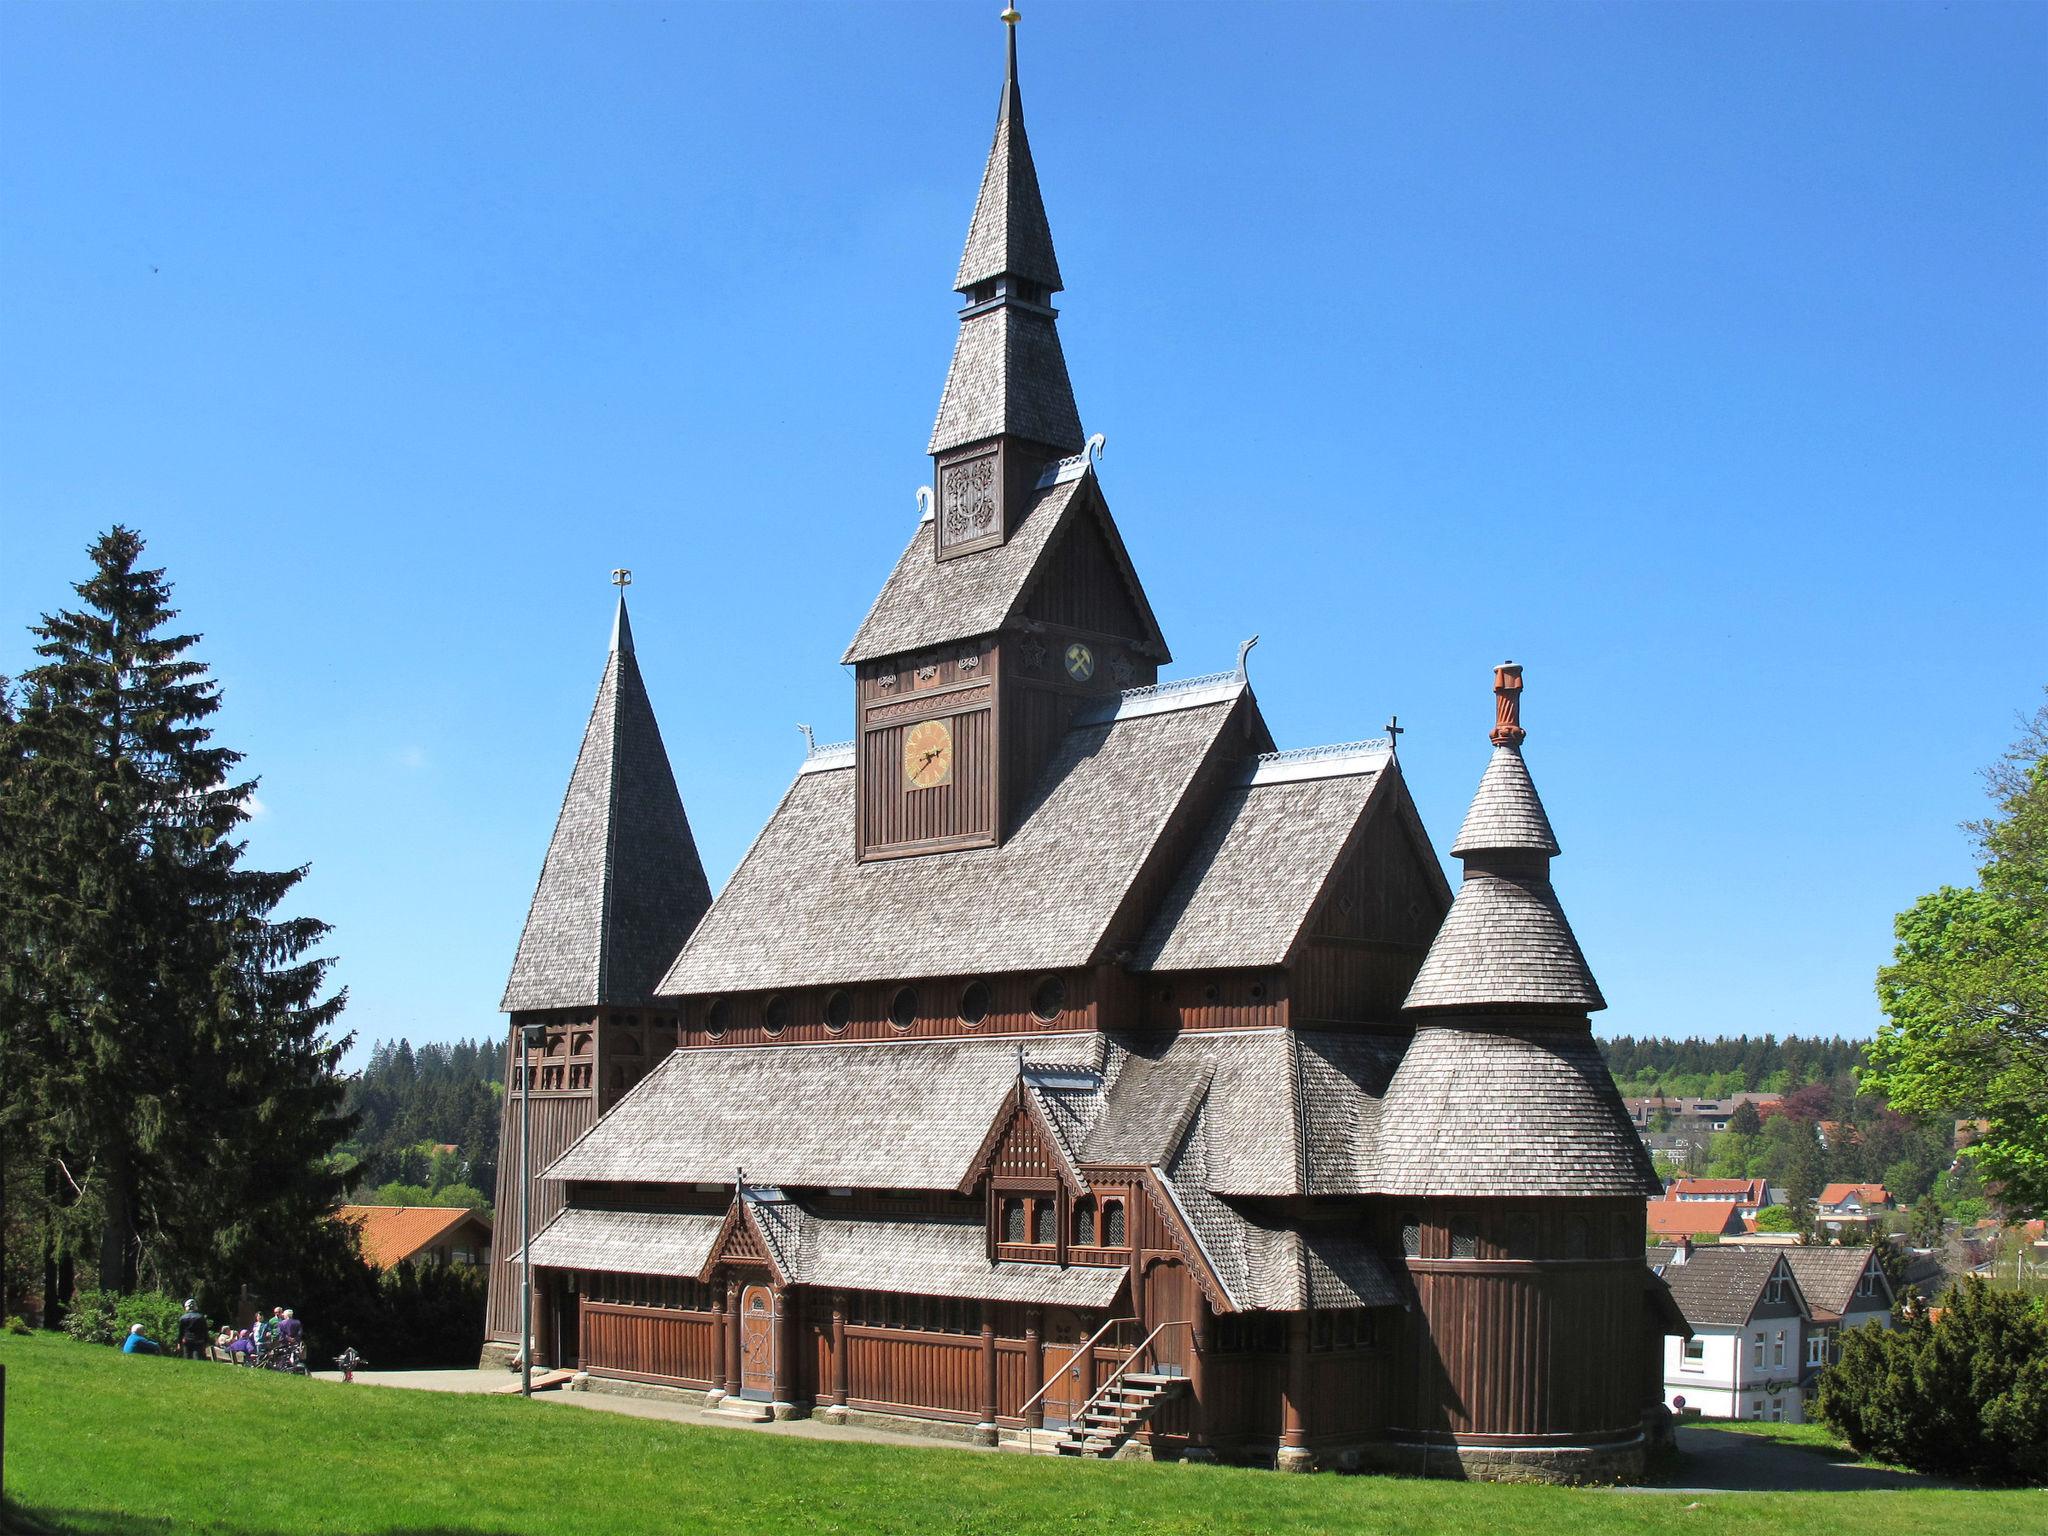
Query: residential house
(1710,1114)
(1748,1195)
(1844,1288)
(425,1234)
(1746,1356)
(1680,1218)
(1850,1205)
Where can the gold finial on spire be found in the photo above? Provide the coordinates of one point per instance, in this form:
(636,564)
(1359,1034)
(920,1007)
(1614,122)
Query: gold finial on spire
(1010,20)
(1011,16)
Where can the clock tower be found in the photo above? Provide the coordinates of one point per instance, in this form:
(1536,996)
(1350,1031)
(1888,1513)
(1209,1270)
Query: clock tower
(1015,601)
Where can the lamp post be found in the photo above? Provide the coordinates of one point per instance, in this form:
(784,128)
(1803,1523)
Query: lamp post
(532,1037)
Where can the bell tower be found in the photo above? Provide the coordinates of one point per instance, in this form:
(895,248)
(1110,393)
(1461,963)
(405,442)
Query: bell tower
(1007,409)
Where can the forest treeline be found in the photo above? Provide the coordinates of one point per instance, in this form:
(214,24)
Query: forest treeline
(1645,1065)
(411,1101)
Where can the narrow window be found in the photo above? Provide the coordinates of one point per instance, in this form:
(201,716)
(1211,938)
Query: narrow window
(1044,1222)
(903,1007)
(717,1018)
(974,1003)
(1817,1350)
(1084,1222)
(1411,1236)
(1778,1351)
(1113,1223)
(775,1014)
(1759,1349)
(1013,1221)
(1464,1242)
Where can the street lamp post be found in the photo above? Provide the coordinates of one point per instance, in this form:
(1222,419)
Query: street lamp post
(532,1037)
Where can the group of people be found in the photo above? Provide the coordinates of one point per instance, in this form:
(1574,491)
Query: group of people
(280,1332)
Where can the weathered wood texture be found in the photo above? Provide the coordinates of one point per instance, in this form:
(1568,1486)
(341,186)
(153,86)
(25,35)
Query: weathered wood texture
(1368,935)
(652,1344)
(747,1017)
(558,1118)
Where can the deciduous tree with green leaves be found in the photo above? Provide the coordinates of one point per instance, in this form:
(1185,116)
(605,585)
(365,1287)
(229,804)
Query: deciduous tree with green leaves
(167,1035)
(1966,994)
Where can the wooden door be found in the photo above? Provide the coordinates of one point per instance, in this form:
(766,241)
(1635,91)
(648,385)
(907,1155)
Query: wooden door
(1169,1298)
(757,1342)
(1068,1377)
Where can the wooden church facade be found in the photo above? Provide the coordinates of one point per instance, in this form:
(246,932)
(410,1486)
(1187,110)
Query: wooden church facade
(1063,1059)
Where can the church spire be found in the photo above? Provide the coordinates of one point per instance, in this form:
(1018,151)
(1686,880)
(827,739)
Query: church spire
(622,886)
(1008,407)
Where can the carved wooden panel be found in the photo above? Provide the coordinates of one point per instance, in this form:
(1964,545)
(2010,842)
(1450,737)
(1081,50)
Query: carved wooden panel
(969,514)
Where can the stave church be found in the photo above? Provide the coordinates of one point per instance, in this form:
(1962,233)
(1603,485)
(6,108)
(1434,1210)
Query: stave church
(1066,1065)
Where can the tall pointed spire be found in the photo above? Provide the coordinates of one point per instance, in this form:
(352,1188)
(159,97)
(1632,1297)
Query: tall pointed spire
(1009,377)
(622,886)
(1505,943)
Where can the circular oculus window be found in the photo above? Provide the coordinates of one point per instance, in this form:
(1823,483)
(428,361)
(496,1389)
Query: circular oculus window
(838,1012)
(1049,1000)
(717,1017)
(974,1003)
(903,1007)
(775,1014)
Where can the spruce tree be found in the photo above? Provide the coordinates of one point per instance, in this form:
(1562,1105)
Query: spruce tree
(173,1032)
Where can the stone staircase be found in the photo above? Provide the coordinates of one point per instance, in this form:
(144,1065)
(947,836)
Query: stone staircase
(1112,1417)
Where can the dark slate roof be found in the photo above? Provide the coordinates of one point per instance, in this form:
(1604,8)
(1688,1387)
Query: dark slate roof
(800,911)
(1248,888)
(1506,813)
(626,1242)
(1008,375)
(1718,1286)
(1523,1111)
(927,601)
(1505,943)
(622,886)
(1828,1277)
(1008,234)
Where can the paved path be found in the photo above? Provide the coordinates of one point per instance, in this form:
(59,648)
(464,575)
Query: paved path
(1727,1461)
(498,1381)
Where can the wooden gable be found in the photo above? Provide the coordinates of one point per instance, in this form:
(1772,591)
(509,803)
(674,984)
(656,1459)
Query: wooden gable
(1020,1150)
(739,1241)
(1086,582)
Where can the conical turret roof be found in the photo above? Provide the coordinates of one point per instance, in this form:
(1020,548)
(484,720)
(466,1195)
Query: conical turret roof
(622,886)
(1507,813)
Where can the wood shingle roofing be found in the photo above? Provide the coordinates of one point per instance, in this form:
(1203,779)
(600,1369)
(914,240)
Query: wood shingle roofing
(670,1243)
(927,601)
(1521,1111)
(1248,888)
(1009,234)
(1008,375)
(1506,812)
(1504,944)
(799,911)
(622,884)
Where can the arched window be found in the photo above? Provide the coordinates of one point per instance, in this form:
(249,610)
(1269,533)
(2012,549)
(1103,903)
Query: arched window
(1044,1222)
(1113,1223)
(1013,1221)
(1464,1241)
(1083,1226)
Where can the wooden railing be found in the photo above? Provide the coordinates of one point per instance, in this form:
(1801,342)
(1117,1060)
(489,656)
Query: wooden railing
(1102,1392)
(1084,1351)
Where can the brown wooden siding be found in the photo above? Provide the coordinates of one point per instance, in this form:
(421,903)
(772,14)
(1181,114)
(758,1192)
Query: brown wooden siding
(649,1343)
(925,1372)
(939,1000)
(893,817)
(558,1119)
(1368,935)
(1083,589)
(1253,999)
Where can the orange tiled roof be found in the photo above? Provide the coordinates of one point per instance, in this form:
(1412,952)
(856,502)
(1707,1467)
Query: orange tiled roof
(1873,1194)
(1741,1188)
(1693,1218)
(392,1233)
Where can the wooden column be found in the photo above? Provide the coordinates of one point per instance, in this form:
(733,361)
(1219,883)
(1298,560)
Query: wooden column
(1034,1367)
(784,1391)
(1204,1333)
(839,1354)
(732,1337)
(1294,1456)
(988,1371)
(721,1334)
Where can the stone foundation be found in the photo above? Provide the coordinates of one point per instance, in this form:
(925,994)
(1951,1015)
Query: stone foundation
(497,1356)
(1621,1462)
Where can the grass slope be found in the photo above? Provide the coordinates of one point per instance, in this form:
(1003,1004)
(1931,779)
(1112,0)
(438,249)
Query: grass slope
(113,1446)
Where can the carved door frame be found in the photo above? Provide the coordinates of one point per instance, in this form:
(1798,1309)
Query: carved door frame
(758,1323)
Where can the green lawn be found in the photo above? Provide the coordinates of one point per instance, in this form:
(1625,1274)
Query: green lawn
(113,1446)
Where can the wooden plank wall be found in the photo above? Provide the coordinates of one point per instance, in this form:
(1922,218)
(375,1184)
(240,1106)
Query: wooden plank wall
(651,1343)
(938,1011)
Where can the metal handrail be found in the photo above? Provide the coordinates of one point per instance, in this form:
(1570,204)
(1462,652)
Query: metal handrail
(1114,1322)
(1132,1359)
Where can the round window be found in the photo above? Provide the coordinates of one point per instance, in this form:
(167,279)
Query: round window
(838,1012)
(775,1014)
(903,1007)
(1258,991)
(1050,1000)
(717,1018)
(974,1003)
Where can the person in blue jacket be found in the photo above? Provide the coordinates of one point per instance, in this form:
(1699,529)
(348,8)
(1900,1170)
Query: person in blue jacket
(139,1343)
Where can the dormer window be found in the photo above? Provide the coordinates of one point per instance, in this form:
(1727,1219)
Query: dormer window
(1084,1222)
(1013,1221)
(1028,1227)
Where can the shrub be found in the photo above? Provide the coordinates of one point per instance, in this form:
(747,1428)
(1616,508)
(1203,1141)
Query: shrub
(104,1317)
(16,1325)
(1964,1394)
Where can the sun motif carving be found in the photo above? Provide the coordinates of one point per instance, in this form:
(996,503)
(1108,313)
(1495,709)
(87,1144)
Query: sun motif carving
(1032,653)
(1121,669)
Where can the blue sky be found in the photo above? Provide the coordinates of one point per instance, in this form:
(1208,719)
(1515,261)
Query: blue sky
(1691,355)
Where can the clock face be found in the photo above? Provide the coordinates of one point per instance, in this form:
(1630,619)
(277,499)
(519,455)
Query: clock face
(1080,662)
(928,755)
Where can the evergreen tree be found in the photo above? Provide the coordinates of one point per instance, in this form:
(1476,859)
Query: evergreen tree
(171,1034)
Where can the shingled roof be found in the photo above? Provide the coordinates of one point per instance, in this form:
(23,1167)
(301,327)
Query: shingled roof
(1248,888)
(799,911)
(1523,1111)
(627,1242)
(1719,1286)
(1008,375)
(927,601)
(1828,1277)
(1506,812)
(1009,234)
(622,885)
